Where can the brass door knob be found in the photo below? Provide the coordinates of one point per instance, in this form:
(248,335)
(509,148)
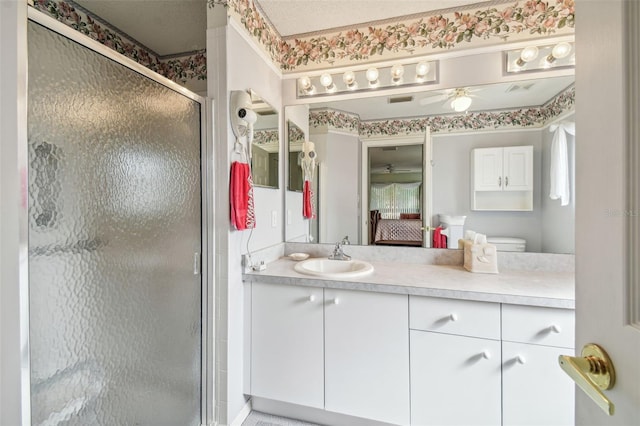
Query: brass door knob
(593,372)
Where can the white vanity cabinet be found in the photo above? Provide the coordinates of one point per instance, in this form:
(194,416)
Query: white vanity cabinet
(287,347)
(535,390)
(502,178)
(344,351)
(409,359)
(455,362)
(367,355)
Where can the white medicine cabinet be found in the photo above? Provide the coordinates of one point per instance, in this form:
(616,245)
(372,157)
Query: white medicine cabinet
(502,178)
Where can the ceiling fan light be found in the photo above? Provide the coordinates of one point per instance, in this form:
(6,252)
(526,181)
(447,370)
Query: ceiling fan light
(461,103)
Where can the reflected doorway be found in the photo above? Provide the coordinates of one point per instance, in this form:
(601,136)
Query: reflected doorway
(396,191)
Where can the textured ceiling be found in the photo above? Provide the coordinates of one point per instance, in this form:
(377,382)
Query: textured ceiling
(294,17)
(167,27)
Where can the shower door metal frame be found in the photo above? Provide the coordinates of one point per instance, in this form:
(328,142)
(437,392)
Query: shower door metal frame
(207,183)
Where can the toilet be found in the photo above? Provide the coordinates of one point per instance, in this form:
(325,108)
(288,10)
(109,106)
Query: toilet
(452,228)
(508,243)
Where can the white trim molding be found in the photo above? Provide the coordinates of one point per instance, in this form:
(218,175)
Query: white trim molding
(632,16)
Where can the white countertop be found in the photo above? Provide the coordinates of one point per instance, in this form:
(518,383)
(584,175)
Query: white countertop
(535,288)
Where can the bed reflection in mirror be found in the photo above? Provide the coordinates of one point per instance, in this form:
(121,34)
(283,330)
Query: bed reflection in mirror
(395,195)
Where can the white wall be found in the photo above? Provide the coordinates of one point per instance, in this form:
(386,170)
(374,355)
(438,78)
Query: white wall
(233,64)
(452,184)
(13,165)
(558,222)
(339,207)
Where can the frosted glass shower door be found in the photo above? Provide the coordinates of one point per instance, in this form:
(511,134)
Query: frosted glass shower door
(115,227)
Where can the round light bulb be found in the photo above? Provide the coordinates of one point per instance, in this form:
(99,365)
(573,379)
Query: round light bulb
(561,50)
(528,54)
(372,75)
(305,82)
(326,80)
(422,69)
(349,77)
(396,72)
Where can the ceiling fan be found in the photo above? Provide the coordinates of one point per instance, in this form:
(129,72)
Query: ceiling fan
(459,98)
(390,169)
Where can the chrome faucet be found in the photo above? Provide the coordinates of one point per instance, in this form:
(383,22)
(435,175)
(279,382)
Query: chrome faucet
(338,253)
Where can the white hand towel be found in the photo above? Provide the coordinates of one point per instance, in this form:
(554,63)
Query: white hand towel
(559,170)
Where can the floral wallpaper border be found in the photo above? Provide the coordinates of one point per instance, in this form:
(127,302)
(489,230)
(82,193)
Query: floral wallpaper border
(177,68)
(514,119)
(531,18)
(266,137)
(526,19)
(328,119)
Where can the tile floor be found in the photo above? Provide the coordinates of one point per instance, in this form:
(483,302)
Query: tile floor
(257,418)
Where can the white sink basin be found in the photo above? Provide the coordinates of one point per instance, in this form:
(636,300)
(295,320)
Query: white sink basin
(323,267)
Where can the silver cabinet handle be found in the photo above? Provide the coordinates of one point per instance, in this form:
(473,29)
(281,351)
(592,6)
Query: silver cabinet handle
(506,181)
(500,181)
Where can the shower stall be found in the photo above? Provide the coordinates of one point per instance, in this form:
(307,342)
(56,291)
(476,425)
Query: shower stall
(118,313)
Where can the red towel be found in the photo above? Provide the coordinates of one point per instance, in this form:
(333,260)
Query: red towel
(241,196)
(439,240)
(307,210)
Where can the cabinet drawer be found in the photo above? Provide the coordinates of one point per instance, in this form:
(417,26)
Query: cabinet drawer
(542,326)
(461,317)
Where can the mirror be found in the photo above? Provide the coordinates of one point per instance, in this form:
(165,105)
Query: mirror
(547,228)
(295,139)
(265,149)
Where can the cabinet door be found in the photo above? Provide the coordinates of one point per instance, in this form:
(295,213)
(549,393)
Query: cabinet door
(455,380)
(518,168)
(287,344)
(535,390)
(367,355)
(487,169)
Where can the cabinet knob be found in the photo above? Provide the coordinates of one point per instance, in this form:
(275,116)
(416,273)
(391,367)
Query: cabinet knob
(554,329)
(520,359)
(453,317)
(336,301)
(312,298)
(486,355)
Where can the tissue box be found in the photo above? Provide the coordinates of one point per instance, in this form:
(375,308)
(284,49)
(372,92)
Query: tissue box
(481,258)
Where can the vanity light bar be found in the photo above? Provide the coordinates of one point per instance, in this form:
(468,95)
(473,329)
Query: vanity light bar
(371,78)
(539,58)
